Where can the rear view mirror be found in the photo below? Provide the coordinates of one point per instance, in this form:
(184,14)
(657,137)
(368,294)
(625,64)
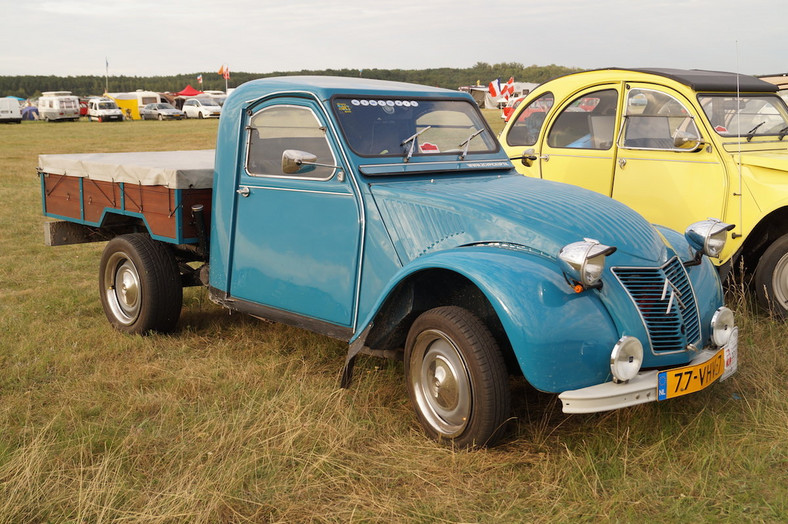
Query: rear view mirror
(295,161)
(689,141)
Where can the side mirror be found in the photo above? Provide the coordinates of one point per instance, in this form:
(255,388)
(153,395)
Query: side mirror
(295,161)
(684,140)
(529,157)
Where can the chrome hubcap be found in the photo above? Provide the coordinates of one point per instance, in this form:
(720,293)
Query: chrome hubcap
(122,288)
(780,282)
(440,381)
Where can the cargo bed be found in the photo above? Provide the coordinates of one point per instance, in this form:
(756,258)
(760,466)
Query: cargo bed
(157,189)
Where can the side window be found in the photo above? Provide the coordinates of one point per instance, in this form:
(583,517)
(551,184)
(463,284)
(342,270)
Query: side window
(277,128)
(587,122)
(654,120)
(525,130)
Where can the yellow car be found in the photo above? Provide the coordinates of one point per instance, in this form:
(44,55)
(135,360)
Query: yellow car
(679,146)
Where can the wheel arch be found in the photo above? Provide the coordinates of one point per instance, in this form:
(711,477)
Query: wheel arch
(522,297)
(769,228)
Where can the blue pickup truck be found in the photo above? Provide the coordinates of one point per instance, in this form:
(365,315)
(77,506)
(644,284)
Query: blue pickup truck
(387,215)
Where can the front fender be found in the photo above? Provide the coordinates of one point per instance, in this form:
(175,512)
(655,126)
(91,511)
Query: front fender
(561,339)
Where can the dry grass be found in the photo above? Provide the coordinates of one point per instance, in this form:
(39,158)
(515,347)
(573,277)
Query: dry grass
(236,420)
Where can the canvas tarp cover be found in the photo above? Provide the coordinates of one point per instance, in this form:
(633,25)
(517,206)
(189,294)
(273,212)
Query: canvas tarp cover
(172,169)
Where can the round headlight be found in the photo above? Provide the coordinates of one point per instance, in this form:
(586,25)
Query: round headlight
(708,236)
(722,324)
(584,261)
(626,359)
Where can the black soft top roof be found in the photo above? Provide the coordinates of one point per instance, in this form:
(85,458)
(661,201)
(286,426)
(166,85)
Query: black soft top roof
(700,80)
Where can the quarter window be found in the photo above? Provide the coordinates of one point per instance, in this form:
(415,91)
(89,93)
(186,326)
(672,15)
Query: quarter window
(654,120)
(525,130)
(586,123)
(278,128)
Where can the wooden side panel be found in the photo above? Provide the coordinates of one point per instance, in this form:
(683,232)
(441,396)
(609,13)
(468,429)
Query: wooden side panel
(157,203)
(97,196)
(62,196)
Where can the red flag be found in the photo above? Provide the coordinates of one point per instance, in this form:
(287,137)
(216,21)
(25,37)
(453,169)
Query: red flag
(508,88)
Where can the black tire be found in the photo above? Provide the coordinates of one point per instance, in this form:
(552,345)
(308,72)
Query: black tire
(200,115)
(161,117)
(456,376)
(771,278)
(140,285)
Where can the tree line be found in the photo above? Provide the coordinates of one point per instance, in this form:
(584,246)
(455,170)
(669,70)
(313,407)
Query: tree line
(30,86)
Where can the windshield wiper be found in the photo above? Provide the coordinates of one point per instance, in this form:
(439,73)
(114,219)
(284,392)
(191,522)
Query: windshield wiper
(412,140)
(467,143)
(783,132)
(751,132)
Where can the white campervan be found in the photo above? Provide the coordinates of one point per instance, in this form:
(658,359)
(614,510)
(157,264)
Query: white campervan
(58,105)
(104,110)
(9,110)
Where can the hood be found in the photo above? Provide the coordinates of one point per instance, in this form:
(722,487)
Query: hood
(777,160)
(429,215)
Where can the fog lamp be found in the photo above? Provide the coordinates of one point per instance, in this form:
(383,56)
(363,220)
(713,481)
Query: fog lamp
(722,324)
(626,359)
(584,261)
(708,236)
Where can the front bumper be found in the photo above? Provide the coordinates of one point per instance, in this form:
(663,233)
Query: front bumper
(641,389)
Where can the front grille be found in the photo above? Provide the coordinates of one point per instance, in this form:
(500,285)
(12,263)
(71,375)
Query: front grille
(666,303)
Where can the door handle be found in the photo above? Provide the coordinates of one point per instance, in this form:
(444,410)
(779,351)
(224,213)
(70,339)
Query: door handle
(622,162)
(545,157)
(244,191)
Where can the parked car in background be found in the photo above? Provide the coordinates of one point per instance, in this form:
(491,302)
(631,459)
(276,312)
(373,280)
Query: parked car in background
(511,105)
(104,110)
(781,81)
(202,108)
(10,111)
(676,145)
(58,105)
(161,111)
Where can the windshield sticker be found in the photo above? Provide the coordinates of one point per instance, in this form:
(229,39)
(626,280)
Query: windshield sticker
(355,102)
(721,129)
(428,147)
(341,106)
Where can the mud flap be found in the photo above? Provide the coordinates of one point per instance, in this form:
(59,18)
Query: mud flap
(354,349)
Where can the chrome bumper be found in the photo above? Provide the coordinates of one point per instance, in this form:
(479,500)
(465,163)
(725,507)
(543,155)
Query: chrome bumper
(642,388)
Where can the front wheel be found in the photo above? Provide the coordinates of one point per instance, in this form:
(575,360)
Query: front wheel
(457,378)
(771,277)
(140,285)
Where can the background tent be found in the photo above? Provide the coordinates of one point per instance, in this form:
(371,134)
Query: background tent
(30,113)
(189,91)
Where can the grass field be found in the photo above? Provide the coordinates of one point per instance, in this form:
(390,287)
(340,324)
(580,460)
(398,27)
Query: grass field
(231,419)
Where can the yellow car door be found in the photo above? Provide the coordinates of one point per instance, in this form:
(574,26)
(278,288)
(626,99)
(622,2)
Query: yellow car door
(578,145)
(665,169)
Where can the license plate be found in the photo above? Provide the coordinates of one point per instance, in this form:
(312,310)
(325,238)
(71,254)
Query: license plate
(689,379)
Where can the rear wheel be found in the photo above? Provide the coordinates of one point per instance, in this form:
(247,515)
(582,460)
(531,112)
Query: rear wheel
(457,378)
(140,285)
(771,277)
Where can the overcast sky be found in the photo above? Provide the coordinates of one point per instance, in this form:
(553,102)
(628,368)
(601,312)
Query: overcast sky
(163,37)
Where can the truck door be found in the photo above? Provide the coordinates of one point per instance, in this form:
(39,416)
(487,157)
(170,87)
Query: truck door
(296,237)
(578,146)
(672,183)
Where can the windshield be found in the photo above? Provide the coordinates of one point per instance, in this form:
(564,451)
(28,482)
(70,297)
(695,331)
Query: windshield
(108,105)
(399,127)
(746,116)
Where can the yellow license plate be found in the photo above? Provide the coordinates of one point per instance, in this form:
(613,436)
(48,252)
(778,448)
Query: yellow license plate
(689,379)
